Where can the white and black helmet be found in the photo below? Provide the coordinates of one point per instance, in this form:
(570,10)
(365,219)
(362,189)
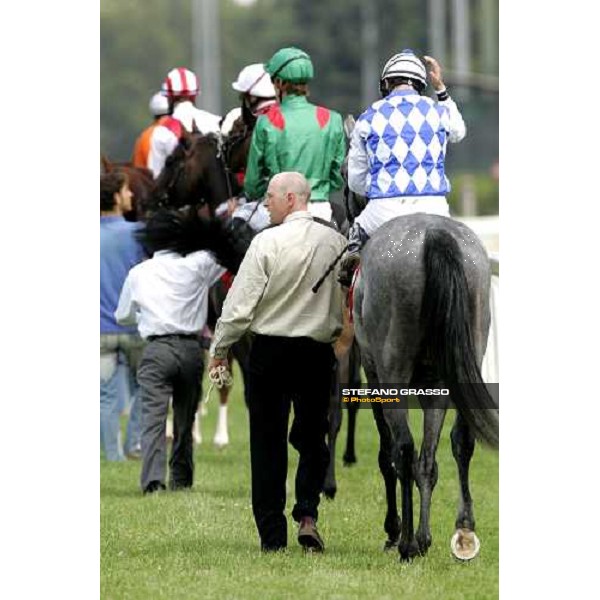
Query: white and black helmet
(406,65)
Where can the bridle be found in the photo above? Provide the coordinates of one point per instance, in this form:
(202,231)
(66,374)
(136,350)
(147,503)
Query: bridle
(222,158)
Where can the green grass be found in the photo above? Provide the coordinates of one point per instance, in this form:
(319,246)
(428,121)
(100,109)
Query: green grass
(203,543)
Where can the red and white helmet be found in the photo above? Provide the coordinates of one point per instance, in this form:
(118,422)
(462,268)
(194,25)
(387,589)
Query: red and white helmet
(180,82)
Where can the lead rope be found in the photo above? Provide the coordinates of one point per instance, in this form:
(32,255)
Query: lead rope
(218,376)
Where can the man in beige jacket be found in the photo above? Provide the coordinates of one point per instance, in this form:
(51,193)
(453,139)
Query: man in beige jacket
(291,360)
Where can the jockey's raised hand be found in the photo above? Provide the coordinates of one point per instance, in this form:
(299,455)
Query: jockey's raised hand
(435,73)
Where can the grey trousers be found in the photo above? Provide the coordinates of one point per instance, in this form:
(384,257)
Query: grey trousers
(171,366)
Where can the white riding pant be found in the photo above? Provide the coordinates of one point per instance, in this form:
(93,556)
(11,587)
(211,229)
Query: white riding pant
(321,210)
(255,214)
(381,210)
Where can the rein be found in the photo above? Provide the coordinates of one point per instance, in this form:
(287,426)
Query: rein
(319,283)
(223,160)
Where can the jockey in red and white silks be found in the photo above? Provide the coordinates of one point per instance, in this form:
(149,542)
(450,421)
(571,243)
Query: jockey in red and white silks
(181,87)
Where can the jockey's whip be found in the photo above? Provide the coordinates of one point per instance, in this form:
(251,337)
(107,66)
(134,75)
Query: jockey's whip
(329,269)
(218,377)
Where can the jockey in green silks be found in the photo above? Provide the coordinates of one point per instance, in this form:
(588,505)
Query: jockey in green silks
(296,135)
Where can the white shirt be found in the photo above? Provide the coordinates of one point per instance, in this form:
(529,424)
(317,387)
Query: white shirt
(168,293)
(164,141)
(272,292)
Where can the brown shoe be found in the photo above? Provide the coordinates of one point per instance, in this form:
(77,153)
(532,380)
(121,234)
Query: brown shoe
(308,536)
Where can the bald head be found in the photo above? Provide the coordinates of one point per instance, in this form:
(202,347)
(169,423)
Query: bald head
(294,182)
(288,192)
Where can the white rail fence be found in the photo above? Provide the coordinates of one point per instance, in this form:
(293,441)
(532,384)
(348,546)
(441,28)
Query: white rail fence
(487,228)
(490,367)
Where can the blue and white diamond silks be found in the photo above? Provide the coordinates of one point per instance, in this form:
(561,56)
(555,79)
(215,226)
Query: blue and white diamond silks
(405,138)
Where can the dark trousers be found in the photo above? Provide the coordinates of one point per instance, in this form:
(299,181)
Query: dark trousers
(285,371)
(171,366)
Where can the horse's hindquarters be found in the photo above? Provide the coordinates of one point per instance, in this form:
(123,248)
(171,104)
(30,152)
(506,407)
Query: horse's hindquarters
(391,289)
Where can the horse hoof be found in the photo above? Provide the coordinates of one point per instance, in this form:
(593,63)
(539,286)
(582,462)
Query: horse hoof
(330,493)
(424,541)
(349,460)
(408,551)
(390,545)
(465,544)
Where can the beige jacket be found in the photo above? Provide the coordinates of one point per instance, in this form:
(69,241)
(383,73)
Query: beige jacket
(272,292)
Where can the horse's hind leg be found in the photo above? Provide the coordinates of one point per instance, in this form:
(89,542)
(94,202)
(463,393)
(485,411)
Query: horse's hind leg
(465,544)
(221,438)
(350,453)
(335,422)
(354,382)
(391,525)
(403,455)
(426,471)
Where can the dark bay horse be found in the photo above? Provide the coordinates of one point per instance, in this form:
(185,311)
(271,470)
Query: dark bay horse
(237,146)
(421,312)
(196,174)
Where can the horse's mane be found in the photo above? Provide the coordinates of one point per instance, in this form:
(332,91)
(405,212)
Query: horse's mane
(184,232)
(239,128)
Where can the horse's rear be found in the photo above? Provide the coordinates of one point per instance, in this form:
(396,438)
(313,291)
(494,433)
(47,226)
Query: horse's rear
(422,301)
(422,316)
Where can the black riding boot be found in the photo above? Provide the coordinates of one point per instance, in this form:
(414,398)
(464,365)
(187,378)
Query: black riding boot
(357,237)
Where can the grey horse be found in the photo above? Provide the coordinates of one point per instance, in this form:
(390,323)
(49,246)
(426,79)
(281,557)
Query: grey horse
(421,316)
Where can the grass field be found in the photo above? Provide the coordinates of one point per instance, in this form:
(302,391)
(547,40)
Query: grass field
(203,543)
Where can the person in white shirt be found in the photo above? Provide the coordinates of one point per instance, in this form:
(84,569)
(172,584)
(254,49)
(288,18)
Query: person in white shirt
(167,296)
(181,87)
(291,359)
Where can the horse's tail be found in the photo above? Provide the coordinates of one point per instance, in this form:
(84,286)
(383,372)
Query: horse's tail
(446,316)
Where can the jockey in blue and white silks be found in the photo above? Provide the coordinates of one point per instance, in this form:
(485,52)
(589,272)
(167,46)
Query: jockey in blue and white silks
(398,150)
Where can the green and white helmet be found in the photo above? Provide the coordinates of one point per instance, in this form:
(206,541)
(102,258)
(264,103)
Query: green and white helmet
(290,64)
